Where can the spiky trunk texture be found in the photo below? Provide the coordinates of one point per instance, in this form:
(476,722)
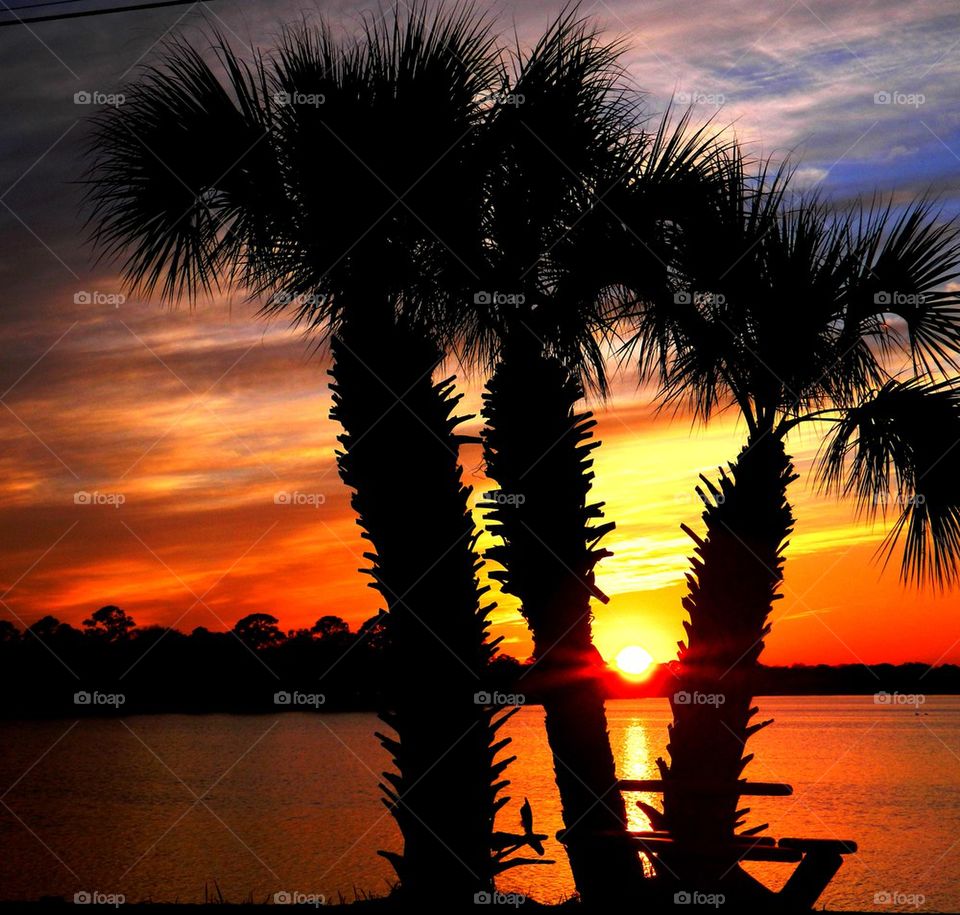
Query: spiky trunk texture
(734,581)
(400,457)
(537,448)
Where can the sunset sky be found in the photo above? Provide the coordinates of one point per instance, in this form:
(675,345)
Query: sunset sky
(199,419)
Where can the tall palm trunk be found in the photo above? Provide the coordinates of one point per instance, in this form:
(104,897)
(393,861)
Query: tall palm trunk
(400,456)
(736,573)
(537,449)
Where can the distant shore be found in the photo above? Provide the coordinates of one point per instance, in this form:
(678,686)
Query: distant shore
(904,686)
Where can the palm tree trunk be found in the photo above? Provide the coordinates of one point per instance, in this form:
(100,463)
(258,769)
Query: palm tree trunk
(400,456)
(537,449)
(736,573)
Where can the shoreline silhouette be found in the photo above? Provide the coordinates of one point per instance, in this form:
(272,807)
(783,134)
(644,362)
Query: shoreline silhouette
(113,667)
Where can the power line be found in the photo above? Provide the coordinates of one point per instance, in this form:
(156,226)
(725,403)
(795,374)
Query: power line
(33,6)
(54,17)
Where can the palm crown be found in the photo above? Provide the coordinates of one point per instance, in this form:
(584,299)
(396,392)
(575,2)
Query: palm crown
(325,169)
(794,314)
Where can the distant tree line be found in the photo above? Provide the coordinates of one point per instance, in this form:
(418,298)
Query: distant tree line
(111,665)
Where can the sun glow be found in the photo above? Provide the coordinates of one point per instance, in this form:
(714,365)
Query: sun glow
(633,661)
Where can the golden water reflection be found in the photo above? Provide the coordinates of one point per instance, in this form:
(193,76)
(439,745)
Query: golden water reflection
(291,801)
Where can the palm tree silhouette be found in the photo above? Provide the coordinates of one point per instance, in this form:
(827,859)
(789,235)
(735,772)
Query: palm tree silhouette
(792,315)
(337,179)
(568,163)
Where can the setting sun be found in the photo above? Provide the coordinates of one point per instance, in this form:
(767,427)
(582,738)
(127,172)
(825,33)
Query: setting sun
(633,661)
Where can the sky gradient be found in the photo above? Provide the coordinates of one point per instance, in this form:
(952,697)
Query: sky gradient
(199,419)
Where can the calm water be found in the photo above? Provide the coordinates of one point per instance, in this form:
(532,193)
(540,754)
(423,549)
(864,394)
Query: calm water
(158,807)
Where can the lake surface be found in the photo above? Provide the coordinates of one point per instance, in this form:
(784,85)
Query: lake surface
(160,807)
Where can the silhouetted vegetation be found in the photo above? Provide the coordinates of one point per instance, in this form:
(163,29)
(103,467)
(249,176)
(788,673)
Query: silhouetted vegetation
(158,669)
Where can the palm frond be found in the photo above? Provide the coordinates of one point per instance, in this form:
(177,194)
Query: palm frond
(706,335)
(903,263)
(380,160)
(899,447)
(660,192)
(182,187)
(555,142)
